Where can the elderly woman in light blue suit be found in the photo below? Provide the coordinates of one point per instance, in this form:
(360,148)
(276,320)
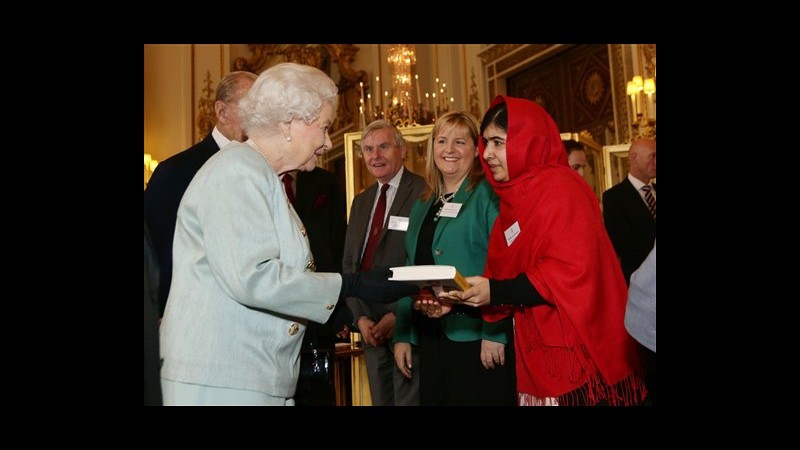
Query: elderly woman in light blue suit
(243,284)
(463,360)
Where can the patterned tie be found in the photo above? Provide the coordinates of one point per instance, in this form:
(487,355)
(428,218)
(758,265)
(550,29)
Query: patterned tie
(287,185)
(650,199)
(375,229)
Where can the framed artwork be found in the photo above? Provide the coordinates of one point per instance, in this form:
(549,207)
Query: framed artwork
(418,141)
(615,159)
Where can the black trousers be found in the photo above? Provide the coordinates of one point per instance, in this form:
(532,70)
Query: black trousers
(451,373)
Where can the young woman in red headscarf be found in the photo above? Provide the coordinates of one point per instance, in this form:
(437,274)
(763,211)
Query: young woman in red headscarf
(551,264)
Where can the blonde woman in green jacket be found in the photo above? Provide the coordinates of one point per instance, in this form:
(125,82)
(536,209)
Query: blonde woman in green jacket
(463,359)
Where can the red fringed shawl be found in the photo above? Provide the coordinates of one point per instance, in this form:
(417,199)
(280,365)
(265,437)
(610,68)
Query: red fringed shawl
(578,340)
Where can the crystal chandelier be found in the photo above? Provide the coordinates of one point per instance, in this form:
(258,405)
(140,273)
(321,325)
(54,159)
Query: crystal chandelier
(403,105)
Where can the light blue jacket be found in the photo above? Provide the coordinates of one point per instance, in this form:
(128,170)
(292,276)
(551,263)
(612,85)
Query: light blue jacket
(241,291)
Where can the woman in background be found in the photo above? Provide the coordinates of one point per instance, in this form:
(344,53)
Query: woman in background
(464,360)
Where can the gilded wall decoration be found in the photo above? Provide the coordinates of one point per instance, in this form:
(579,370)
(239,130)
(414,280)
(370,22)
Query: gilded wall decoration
(474,103)
(621,122)
(497,51)
(528,52)
(321,56)
(649,52)
(206,116)
(256,64)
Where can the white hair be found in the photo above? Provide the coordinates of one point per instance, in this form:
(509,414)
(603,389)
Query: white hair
(285,92)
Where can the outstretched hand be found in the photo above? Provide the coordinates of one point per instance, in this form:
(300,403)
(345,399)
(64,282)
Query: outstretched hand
(477,295)
(428,304)
(374,286)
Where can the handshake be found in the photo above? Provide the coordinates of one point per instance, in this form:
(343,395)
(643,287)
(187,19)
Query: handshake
(374,286)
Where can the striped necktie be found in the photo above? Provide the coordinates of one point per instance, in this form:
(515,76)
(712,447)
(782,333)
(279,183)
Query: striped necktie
(650,199)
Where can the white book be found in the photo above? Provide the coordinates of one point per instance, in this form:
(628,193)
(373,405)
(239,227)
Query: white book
(438,277)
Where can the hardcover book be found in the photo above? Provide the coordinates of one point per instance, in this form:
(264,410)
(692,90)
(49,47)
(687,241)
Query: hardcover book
(438,277)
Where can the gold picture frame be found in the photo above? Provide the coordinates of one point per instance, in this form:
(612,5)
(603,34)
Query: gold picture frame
(418,140)
(593,173)
(615,158)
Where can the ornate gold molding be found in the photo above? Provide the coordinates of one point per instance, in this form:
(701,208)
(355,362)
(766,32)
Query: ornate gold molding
(261,52)
(474,103)
(206,117)
(649,52)
(315,55)
(621,100)
(344,55)
(496,52)
(320,56)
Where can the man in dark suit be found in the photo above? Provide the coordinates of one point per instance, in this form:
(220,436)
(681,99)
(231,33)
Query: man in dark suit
(630,223)
(173,175)
(320,203)
(384,150)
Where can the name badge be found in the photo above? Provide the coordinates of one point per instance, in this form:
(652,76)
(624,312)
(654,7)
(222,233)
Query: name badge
(511,233)
(450,209)
(398,223)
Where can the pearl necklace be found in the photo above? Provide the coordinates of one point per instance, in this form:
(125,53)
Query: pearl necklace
(444,198)
(253,145)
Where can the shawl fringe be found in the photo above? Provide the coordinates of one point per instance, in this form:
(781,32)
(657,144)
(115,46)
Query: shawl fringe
(629,391)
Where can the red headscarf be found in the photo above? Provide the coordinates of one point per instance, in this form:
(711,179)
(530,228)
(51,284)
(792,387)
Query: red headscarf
(579,339)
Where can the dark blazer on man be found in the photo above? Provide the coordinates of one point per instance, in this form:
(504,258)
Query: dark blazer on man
(161,200)
(629,224)
(320,203)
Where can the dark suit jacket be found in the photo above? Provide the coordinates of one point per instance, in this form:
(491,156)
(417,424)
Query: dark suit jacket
(320,203)
(391,249)
(629,224)
(161,200)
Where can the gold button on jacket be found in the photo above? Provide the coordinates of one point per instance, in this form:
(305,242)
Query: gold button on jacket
(293,329)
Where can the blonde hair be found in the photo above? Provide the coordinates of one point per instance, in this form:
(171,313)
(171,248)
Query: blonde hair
(433,177)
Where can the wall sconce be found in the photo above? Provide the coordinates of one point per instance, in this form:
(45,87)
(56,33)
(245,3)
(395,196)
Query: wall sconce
(643,107)
(149,167)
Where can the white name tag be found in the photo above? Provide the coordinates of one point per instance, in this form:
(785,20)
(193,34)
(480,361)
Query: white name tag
(451,209)
(511,233)
(398,223)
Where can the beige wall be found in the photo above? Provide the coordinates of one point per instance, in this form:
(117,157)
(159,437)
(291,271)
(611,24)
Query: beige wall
(176,78)
(167,99)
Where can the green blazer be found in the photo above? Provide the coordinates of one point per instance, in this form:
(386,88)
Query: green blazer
(463,242)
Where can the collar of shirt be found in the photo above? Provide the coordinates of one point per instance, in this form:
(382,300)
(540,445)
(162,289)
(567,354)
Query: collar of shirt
(219,138)
(637,184)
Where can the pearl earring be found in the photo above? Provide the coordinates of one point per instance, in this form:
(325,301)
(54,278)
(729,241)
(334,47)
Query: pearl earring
(288,139)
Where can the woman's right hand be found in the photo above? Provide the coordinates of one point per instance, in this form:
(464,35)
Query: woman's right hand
(402,357)
(477,295)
